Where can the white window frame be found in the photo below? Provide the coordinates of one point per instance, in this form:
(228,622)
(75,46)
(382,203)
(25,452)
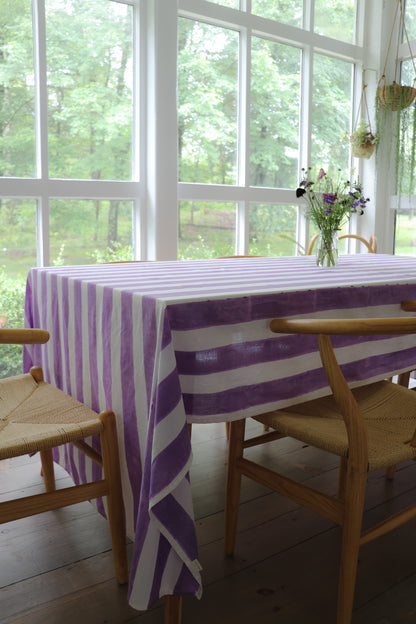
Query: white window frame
(154,190)
(242,194)
(42,188)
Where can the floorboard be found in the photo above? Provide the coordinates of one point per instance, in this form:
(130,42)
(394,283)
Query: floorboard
(57,567)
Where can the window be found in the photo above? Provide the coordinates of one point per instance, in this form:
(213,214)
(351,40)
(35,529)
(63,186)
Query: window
(66,128)
(257,101)
(68,135)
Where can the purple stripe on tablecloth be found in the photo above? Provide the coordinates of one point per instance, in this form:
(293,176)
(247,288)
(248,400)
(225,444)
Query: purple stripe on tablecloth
(163,551)
(166,331)
(65,325)
(43,322)
(106,345)
(200,314)
(131,434)
(78,341)
(167,396)
(178,522)
(82,467)
(241,398)
(379,365)
(56,325)
(92,344)
(149,343)
(187,585)
(169,462)
(240,355)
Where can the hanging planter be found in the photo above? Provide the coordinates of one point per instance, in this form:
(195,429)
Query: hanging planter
(362,139)
(395,96)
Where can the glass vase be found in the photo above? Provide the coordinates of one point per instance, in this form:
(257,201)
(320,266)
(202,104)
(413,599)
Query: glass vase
(327,249)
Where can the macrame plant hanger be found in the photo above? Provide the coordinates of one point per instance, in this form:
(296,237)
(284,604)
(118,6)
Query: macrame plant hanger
(396,96)
(362,125)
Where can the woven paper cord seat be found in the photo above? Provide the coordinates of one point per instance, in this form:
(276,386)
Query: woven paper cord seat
(35,416)
(369,428)
(389,412)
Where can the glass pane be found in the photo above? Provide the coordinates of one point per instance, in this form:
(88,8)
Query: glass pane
(335,18)
(332,81)
(17,256)
(87,231)
(206,230)
(405,235)
(89,65)
(274,114)
(280,10)
(17,94)
(272,230)
(207,103)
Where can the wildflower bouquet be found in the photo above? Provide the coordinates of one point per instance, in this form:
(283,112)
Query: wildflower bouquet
(331,203)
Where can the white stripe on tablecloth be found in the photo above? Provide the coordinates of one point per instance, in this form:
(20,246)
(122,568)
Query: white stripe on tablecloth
(49,323)
(117,407)
(140,393)
(71,339)
(167,430)
(86,378)
(222,335)
(99,293)
(174,564)
(181,281)
(140,588)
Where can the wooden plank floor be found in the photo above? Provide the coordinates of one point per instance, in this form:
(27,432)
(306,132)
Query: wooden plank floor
(57,567)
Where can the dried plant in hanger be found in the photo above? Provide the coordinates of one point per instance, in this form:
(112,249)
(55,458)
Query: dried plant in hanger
(362,139)
(396,112)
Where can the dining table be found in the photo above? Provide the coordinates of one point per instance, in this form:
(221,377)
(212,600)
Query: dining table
(168,343)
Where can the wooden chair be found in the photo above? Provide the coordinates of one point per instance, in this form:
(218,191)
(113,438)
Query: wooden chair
(35,416)
(370,244)
(369,428)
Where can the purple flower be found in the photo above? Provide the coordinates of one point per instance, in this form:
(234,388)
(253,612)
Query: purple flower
(328,211)
(329,198)
(321,174)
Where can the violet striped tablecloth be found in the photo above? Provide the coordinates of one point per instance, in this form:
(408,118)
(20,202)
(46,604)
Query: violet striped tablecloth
(161,343)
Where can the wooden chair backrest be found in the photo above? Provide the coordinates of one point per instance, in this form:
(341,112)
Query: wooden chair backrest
(370,244)
(23,336)
(354,421)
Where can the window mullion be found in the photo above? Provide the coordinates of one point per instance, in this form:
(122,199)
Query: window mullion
(242,233)
(41,125)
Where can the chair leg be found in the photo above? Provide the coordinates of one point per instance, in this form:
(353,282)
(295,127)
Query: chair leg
(47,471)
(354,506)
(232,500)
(111,465)
(173,610)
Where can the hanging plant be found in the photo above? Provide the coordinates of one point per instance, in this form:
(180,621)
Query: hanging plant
(362,139)
(396,113)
